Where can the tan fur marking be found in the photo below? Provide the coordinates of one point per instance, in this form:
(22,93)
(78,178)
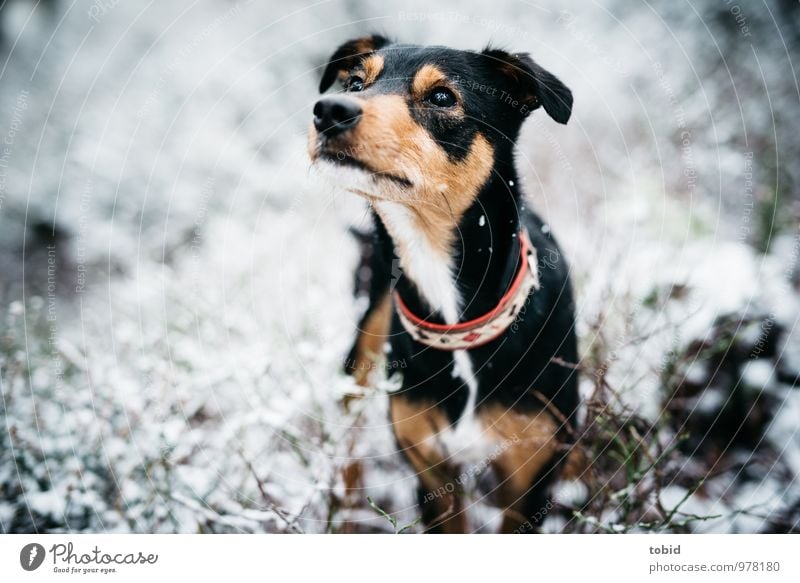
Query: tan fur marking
(363,47)
(428,77)
(390,143)
(416,426)
(389,140)
(371,67)
(531,441)
(371,338)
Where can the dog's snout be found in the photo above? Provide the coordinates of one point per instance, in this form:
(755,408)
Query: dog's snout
(334,115)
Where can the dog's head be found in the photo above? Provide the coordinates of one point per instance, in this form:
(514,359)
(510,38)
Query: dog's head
(425,125)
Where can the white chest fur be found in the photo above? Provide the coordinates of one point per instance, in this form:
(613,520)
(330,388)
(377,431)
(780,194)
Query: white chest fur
(432,273)
(428,268)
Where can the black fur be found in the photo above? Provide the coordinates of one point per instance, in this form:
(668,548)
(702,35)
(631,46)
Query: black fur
(521,369)
(511,367)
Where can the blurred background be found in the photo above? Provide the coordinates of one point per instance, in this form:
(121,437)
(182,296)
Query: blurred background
(176,291)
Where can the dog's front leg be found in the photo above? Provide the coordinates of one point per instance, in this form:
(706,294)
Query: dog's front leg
(417,426)
(525,467)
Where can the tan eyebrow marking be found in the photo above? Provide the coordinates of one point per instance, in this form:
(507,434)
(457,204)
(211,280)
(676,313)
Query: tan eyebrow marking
(371,67)
(428,77)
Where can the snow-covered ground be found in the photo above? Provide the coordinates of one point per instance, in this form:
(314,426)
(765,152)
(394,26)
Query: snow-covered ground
(176,289)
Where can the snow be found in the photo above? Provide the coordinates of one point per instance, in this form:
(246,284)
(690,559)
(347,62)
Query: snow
(190,376)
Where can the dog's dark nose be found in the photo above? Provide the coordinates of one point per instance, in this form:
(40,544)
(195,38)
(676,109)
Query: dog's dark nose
(334,115)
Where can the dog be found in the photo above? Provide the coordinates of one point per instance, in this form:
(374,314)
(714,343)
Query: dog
(466,283)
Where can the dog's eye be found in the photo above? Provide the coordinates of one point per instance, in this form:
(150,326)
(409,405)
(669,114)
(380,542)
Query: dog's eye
(441,97)
(354,83)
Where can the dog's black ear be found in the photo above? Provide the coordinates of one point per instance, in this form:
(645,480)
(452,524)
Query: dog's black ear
(347,55)
(534,85)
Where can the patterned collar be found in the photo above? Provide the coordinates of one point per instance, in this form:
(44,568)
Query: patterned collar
(479,331)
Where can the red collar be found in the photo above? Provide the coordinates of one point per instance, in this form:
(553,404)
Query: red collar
(478,331)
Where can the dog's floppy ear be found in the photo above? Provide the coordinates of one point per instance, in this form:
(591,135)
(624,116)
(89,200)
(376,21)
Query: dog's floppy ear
(534,85)
(347,55)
